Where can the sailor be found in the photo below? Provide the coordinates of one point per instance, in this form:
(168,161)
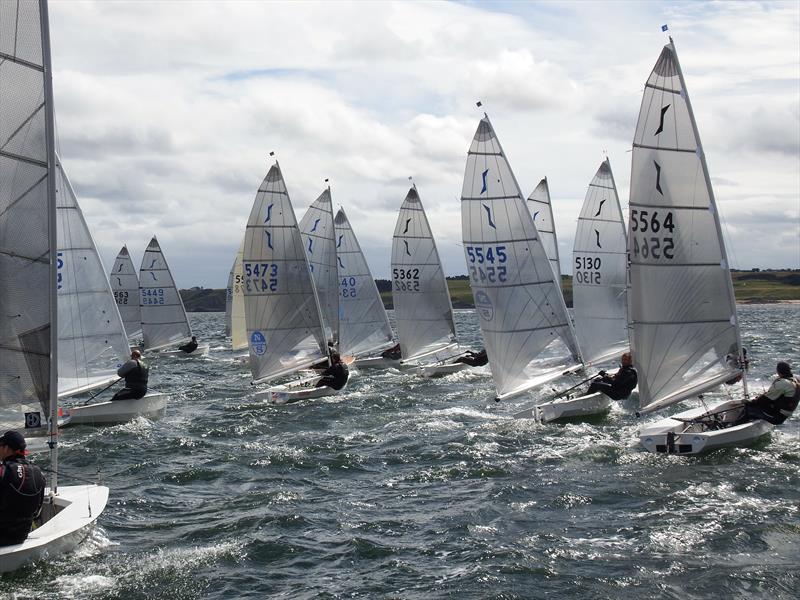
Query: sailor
(734,362)
(392,353)
(474,359)
(778,402)
(21,490)
(620,386)
(135,372)
(336,375)
(189,347)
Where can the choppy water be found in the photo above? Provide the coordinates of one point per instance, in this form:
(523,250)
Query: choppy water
(411,488)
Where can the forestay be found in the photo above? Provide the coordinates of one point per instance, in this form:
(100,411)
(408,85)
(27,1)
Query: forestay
(422,308)
(542,212)
(91,338)
(284,324)
(317,230)
(164,320)
(599,275)
(684,334)
(238,325)
(363,322)
(526,329)
(125,285)
(27,211)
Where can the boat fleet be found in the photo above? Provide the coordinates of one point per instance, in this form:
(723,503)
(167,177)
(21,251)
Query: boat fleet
(297,291)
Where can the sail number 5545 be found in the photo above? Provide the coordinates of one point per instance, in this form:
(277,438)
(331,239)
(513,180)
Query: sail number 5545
(486,263)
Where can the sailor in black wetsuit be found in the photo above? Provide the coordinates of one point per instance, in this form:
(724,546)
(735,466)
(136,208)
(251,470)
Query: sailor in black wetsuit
(336,375)
(620,386)
(392,353)
(135,372)
(21,490)
(189,347)
(776,404)
(474,359)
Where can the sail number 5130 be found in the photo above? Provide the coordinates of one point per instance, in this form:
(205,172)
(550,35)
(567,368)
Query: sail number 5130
(486,264)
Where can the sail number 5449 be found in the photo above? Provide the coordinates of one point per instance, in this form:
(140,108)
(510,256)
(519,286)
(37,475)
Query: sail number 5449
(486,264)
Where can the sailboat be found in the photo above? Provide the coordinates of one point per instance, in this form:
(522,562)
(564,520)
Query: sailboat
(125,285)
(363,323)
(236,327)
(541,209)
(422,307)
(28,272)
(317,230)
(91,337)
(285,327)
(523,317)
(599,284)
(682,312)
(164,320)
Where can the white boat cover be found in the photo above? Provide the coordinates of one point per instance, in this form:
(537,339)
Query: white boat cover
(26,284)
(526,329)
(363,322)
(599,272)
(542,212)
(684,332)
(125,285)
(284,324)
(319,240)
(422,309)
(91,338)
(164,320)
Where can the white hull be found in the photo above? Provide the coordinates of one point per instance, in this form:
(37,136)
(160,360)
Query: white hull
(377,362)
(153,406)
(697,438)
(79,506)
(202,350)
(440,370)
(302,389)
(567,408)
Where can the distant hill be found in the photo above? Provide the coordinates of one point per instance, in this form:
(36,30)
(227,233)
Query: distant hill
(750,287)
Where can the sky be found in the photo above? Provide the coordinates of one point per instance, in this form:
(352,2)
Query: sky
(167,112)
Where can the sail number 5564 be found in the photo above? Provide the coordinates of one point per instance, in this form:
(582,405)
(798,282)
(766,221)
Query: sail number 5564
(486,263)
(652,246)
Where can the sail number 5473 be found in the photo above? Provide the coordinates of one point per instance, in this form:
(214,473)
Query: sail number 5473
(260,277)
(486,264)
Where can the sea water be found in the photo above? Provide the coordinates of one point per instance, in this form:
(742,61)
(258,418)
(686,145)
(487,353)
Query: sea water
(423,488)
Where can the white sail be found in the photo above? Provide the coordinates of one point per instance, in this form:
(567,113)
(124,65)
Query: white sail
(284,324)
(27,211)
(164,320)
(599,272)
(363,322)
(229,299)
(125,285)
(422,308)
(682,312)
(91,338)
(542,211)
(317,230)
(238,324)
(525,325)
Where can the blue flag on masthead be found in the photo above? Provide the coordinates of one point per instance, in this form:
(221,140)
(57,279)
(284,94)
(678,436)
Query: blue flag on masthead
(664,28)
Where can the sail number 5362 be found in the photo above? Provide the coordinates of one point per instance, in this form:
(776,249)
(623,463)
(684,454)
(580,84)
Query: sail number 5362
(486,264)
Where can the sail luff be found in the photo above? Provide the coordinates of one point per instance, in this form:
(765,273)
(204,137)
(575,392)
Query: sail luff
(540,200)
(126,294)
(238,322)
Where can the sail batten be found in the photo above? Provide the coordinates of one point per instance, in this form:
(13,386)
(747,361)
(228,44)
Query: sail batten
(682,312)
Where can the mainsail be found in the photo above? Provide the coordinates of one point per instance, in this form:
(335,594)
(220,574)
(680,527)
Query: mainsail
(238,326)
(229,299)
(164,320)
(599,274)
(27,210)
(422,308)
(363,322)
(317,230)
(525,325)
(91,338)
(284,324)
(125,285)
(542,211)
(682,312)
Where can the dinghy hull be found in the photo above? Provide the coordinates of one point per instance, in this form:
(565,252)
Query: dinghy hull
(440,370)
(377,362)
(686,433)
(303,389)
(202,350)
(571,408)
(63,531)
(152,406)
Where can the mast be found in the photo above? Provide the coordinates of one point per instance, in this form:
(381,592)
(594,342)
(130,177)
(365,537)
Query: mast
(52,230)
(717,221)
